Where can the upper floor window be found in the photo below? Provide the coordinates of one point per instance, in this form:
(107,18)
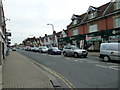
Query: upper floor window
(117,22)
(93,28)
(117,5)
(75,31)
(92,15)
(75,21)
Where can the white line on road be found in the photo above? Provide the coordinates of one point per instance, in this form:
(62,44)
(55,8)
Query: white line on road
(43,54)
(92,62)
(109,67)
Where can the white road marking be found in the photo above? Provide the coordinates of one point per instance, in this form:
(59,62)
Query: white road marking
(92,62)
(43,54)
(109,67)
(101,66)
(76,60)
(113,63)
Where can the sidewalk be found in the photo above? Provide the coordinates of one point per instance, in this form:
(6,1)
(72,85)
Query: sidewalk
(94,54)
(19,72)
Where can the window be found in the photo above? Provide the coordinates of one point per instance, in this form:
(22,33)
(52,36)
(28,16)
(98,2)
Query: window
(75,32)
(92,15)
(93,28)
(75,21)
(117,22)
(117,5)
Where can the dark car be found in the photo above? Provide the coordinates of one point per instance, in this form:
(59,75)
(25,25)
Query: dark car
(54,50)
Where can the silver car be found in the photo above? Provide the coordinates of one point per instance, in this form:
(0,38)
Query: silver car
(74,51)
(43,49)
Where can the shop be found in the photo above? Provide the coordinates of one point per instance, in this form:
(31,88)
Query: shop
(78,40)
(63,42)
(93,41)
(111,35)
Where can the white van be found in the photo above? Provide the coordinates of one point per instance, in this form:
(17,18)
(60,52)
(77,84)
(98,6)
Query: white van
(110,51)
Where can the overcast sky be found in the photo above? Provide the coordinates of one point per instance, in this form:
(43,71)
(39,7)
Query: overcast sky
(29,18)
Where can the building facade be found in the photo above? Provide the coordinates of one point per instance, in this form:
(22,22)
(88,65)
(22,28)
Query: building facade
(97,25)
(3,37)
(90,29)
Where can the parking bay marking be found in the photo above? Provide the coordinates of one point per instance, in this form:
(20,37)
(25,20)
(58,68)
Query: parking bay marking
(109,67)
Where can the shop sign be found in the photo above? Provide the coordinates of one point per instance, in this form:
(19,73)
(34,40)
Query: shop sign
(116,31)
(93,38)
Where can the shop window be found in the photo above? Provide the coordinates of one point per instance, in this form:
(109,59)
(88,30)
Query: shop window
(93,28)
(117,22)
(117,5)
(75,32)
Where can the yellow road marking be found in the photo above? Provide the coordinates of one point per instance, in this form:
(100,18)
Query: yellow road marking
(70,85)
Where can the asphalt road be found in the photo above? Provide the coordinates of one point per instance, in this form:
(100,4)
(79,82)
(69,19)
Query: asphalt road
(87,72)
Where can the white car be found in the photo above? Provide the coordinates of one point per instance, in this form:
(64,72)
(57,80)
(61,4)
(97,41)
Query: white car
(43,49)
(74,51)
(110,51)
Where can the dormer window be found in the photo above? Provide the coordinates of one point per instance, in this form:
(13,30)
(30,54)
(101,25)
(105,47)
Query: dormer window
(92,12)
(75,21)
(117,5)
(92,15)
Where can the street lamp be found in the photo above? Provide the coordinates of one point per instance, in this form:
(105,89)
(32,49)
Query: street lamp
(52,26)
(53,33)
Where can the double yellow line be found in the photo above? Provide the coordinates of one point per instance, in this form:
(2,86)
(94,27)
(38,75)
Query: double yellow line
(69,84)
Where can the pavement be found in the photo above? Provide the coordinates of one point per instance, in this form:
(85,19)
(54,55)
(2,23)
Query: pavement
(19,72)
(94,54)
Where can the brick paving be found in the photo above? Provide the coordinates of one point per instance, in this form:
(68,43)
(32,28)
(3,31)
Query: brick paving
(19,72)
(94,53)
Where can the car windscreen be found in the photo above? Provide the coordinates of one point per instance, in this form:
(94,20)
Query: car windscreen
(55,48)
(74,47)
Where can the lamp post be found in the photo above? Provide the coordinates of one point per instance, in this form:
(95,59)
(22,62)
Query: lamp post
(53,33)
(52,26)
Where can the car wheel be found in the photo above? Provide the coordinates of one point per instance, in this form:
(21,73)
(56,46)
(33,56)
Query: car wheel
(75,55)
(64,53)
(106,58)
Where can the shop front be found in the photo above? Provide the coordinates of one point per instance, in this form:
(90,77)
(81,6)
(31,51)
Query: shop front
(93,41)
(63,42)
(78,40)
(111,35)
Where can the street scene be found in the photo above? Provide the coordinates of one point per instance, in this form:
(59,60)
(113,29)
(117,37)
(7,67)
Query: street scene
(84,55)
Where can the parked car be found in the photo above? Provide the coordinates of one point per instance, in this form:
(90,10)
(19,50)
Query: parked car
(32,49)
(13,49)
(43,49)
(72,50)
(110,51)
(54,50)
(36,49)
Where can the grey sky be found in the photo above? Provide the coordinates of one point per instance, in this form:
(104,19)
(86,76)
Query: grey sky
(30,17)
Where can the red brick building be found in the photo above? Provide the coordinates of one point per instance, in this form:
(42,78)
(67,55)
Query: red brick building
(97,25)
